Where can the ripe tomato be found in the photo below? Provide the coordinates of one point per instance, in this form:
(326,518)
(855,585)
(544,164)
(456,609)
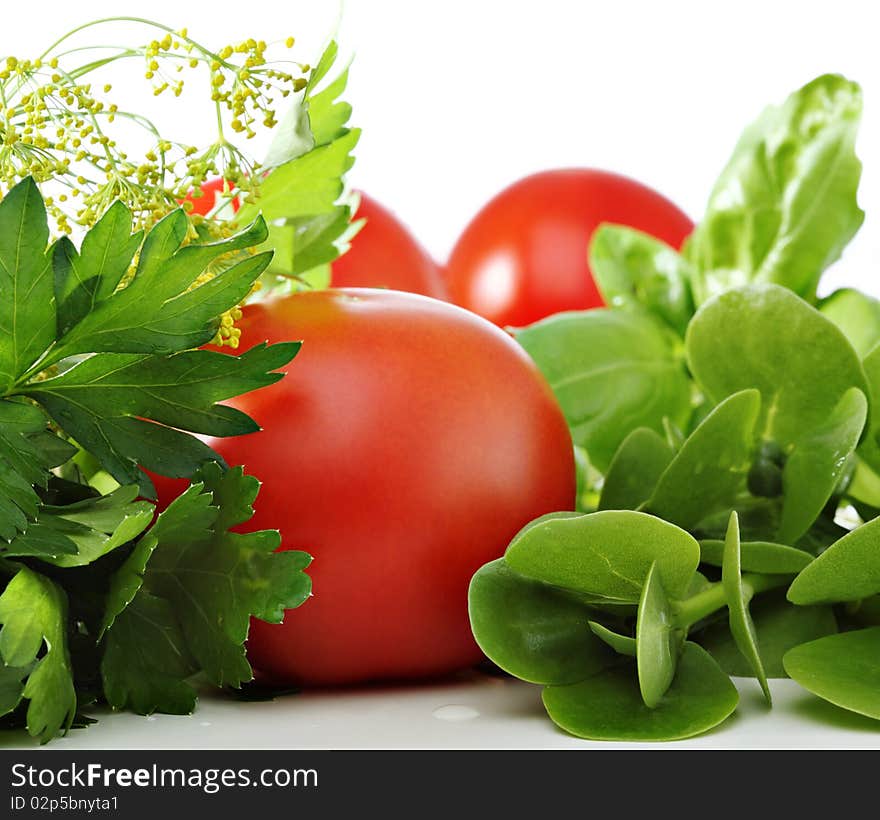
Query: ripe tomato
(524,255)
(408,444)
(204,204)
(384,254)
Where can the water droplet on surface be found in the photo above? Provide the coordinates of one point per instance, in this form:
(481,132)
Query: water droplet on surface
(455,713)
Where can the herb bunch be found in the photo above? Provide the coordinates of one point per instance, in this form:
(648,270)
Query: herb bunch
(107,298)
(729,436)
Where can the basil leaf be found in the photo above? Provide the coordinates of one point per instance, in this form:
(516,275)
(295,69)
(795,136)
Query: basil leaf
(612,373)
(635,271)
(857,315)
(785,206)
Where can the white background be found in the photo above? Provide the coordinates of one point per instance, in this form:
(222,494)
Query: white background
(459,98)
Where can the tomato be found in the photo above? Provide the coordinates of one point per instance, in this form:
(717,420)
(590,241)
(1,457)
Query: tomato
(524,255)
(205,203)
(384,254)
(410,441)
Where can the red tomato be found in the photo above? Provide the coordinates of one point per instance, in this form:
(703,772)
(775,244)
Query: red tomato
(524,256)
(204,204)
(384,254)
(409,443)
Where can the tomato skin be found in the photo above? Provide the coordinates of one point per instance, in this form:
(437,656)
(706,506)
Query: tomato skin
(204,204)
(384,254)
(524,255)
(409,443)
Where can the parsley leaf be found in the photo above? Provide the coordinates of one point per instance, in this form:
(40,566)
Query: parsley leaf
(33,612)
(200,588)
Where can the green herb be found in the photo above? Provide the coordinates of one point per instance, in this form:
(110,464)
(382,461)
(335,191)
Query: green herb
(734,418)
(103,375)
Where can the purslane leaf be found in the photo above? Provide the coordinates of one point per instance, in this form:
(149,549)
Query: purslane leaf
(847,571)
(612,373)
(753,337)
(609,705)
(842,669)
(710,468)
(657,641)
(607,553)
(779,625)
(816,464)
(532,630)
(738,595)
(634,471)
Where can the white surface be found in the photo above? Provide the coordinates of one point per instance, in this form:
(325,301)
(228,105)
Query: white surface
(458,99)
(475,712)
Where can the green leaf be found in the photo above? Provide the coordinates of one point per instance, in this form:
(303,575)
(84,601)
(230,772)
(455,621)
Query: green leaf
(612,373)
(85,278)
(843,669)
(33,612)
(738,596)
(754,337)
(162,309)
(857,315)
(207,583)
(779,626)
(637,272)
(817,462)
(96,526)
(609,706)
(635,470)
(306,186)
(126,581)
(328,115)
(146,662)
(531,630)
(758,556)
(869,449)
(710,469)
(622,644)
(607,553)
(658,642)
(27,298)
(11,687)
(27,453)
(847,571)
(785,206)
(128,410)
